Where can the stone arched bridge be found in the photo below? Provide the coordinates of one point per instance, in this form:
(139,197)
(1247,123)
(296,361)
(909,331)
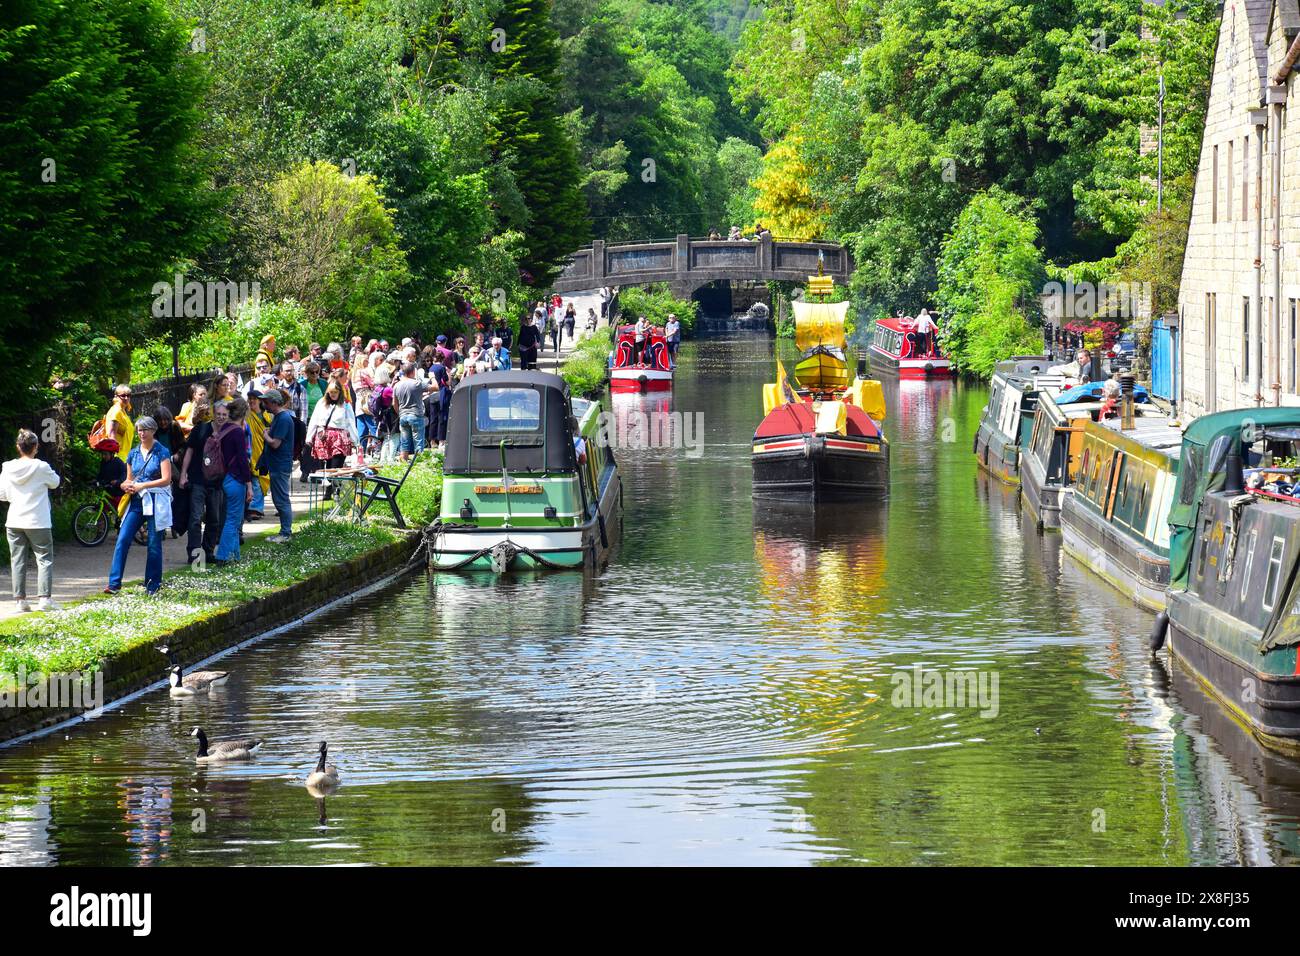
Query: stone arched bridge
(686,264)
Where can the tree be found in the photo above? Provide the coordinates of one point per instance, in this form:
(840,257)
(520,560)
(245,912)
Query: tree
(784,204)
(329,243)
(990,275)
(739,163)
(102,188)
(533,141)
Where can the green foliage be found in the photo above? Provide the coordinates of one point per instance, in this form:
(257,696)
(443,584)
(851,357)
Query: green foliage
(532,139)
(230,341)
(655,303)
(102,187)
(330,244)
(739,163)
(905,109)
(990,275)
(587,367)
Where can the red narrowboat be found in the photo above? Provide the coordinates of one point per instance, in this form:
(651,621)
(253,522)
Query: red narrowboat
(640,367)
(901,349)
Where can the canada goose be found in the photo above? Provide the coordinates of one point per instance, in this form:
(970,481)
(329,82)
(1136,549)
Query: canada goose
(185,685)
(240,749)
(326,776)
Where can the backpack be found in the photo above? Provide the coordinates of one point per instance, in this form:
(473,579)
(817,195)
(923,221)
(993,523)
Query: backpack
(376,404)
(98,433)
(214,459)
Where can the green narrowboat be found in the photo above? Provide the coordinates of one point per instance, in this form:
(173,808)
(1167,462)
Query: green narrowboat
(529,477)
(1115,521)
(1007,418)
(1234,600)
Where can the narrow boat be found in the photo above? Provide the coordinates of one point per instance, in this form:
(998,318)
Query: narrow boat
(1051,458)
(529,477)
(820,438)
(1115,521)
(650,371)
(1234,600)
(1005,422)
(897,349)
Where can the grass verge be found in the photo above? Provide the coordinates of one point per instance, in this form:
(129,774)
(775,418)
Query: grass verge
(82,635)
(587,366)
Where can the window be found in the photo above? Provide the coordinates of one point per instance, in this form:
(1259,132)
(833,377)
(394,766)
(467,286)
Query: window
(1211,350)
(508,410)
(1245,178)
(1245,337)
(1250,560)
(1274,573)
(1214,187)
(1295,359)
(1228,193)
(1142,497)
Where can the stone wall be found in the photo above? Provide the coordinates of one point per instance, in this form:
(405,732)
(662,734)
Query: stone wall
(143,665)
(1219,360)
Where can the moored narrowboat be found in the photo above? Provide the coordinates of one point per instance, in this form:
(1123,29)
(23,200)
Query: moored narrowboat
(1051,458)
(1115,521)
(529,477)
(897,348)
(1234,600)
(1007,418)
(820,438)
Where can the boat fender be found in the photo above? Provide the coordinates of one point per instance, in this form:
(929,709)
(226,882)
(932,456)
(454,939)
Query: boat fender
(1159,630)
(642,382)
(600,523)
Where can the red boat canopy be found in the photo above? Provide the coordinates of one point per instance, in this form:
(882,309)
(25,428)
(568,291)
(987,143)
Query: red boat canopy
(797,418)
(655,351)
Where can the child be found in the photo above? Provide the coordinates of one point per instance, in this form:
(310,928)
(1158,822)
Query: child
(112,470)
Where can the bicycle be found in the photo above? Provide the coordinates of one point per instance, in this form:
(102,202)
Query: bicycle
(93,520)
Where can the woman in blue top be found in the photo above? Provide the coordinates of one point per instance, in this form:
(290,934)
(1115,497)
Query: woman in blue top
(149,483)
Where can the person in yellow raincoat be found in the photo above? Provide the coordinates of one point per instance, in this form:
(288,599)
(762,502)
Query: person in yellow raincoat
(267,350)
(257,422)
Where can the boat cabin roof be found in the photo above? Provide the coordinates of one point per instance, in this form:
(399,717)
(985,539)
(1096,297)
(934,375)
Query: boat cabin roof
(528,414)
(1024,365)
(1157,432)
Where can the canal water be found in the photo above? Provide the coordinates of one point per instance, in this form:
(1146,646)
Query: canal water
(736,687)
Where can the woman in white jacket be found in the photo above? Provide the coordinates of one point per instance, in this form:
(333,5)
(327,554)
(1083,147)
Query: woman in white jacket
(25,482)
(332,431)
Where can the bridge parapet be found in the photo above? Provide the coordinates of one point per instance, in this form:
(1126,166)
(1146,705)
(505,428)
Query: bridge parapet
(687,264)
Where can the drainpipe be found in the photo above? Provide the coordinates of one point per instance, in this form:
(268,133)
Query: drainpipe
(1277,99)
(1259,118)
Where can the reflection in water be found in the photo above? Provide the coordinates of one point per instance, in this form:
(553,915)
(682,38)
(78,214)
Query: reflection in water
(722,692)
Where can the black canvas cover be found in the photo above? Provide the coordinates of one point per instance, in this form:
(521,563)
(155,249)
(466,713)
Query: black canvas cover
(528,412)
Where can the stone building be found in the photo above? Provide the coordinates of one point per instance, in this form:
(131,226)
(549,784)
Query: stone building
(1237,299)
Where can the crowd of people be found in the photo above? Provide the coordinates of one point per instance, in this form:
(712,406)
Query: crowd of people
(204,470)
